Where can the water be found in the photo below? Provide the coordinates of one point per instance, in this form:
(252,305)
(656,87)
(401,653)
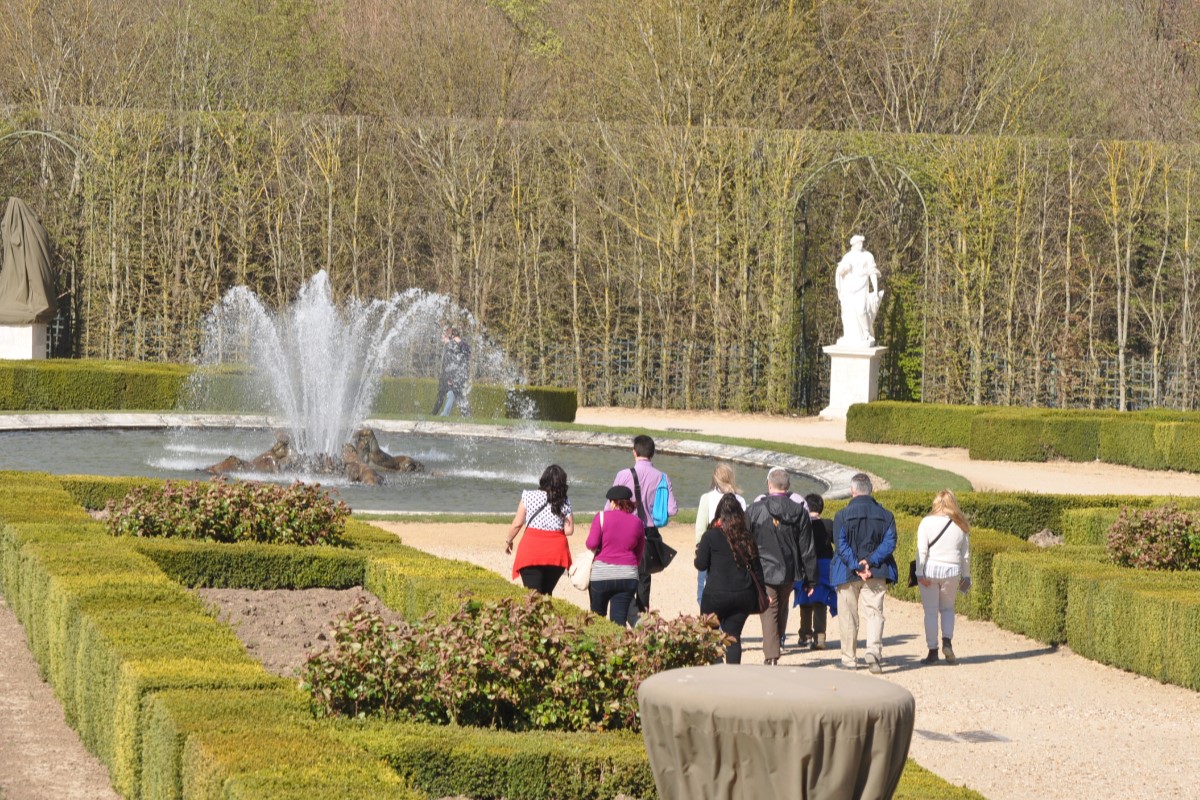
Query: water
(318,365)
(464,474)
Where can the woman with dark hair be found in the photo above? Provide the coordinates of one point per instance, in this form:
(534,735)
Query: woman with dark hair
(543,555)
(618,539)
(728,552)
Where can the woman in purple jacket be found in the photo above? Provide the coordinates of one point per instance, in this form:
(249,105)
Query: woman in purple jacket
(618,538)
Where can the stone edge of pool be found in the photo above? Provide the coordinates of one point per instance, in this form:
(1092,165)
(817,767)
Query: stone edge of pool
(835,477)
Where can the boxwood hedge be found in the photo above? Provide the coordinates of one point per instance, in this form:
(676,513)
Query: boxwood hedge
(1153,439)
(83,385)
(170,702)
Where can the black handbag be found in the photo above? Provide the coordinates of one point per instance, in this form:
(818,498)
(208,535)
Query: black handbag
(912,565)
(658,554)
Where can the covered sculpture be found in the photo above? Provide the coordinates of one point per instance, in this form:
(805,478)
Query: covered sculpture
(26,280)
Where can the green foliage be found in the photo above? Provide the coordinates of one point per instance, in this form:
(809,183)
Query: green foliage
(918,783)
(55,385)
(95,492)
(1164,538)
(927,424)
(447,761)
(1155,439)
(220,511)
(1087,526)
(247,565)
(409,397)
(514,665)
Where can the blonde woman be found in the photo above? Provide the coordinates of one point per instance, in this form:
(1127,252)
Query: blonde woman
(724,482)
(943,566)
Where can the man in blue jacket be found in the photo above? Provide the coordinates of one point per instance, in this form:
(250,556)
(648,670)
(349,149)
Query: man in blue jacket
(864,538)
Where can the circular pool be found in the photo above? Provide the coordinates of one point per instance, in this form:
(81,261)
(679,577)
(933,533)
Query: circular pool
(470,468)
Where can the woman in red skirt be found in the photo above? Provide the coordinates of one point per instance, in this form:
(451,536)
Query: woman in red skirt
(543,555)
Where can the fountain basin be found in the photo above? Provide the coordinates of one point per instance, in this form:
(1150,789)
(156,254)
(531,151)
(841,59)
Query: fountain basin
(473,468)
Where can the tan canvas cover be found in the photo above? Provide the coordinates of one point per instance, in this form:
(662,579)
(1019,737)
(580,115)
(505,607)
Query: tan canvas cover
(26,281)
(750,732)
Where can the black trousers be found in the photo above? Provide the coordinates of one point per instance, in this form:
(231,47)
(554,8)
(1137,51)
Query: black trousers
(541,579)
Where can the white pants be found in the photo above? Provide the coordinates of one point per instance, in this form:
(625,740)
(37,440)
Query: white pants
(871,592)
(938,601)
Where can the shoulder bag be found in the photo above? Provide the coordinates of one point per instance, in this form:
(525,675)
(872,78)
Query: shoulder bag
(912,565)
(658,554)
(580,572)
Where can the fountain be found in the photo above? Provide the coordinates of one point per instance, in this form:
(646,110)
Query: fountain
(318,368)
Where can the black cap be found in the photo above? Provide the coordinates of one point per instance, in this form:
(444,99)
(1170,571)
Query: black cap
(619,493)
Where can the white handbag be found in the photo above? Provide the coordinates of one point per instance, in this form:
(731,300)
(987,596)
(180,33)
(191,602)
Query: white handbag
(580,572)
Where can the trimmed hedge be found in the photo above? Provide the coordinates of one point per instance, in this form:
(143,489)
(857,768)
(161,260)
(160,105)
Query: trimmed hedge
(1088,526)
(167,698)
(896,422)
(407,397)
(88,385)
(258,566)
(486,764)
(1154,439)
(78,385)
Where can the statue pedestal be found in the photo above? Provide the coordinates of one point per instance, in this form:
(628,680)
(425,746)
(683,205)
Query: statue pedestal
(23,342)
(853,378)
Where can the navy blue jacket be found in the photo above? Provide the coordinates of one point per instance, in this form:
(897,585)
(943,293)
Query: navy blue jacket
(863,530)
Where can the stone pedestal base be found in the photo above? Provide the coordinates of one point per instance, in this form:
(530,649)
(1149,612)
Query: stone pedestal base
(23,342)
(853,378)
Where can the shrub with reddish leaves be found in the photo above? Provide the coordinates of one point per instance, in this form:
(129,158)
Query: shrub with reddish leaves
(515,665)
(221,511)
(1166,538)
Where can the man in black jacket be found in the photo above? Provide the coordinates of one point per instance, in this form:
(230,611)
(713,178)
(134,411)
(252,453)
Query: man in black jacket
(782,530)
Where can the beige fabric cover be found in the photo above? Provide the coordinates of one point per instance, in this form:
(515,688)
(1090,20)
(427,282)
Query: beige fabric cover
(749,731)
(26,281)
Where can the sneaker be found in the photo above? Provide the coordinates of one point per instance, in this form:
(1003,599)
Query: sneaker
(873,665)
(932,658)
(818,642)
(948,652)
(844,665)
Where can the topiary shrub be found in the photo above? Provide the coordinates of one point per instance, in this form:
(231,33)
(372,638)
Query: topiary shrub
(1164,538)
(511,664)
(220,511)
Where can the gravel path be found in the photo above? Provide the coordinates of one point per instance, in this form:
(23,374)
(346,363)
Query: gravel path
(1069,727)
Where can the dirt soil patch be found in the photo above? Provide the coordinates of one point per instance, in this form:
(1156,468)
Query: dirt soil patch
(282,628)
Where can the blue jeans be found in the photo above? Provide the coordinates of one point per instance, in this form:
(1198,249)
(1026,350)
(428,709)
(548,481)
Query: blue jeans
(451,399)
(615,597)
(701,579)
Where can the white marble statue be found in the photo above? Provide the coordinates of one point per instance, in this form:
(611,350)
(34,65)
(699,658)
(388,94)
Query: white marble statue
(858,290)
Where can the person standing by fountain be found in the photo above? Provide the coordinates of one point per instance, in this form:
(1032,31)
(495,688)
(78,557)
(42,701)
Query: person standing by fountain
(456,371)
(543,555)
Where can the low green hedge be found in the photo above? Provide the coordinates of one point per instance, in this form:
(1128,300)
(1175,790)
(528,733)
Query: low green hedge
(1154,439)
(167,698)
(484,764)
(70,385)
(254,566)
(926,424)
(407,397)
(86,385)
(1087,526)
(94,492)
(1139,621)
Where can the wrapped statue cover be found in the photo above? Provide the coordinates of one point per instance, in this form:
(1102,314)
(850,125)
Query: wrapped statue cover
(26,281)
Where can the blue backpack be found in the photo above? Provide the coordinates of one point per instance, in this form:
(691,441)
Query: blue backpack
(662,497)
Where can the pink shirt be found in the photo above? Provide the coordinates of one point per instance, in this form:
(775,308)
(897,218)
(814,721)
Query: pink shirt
(623,539)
